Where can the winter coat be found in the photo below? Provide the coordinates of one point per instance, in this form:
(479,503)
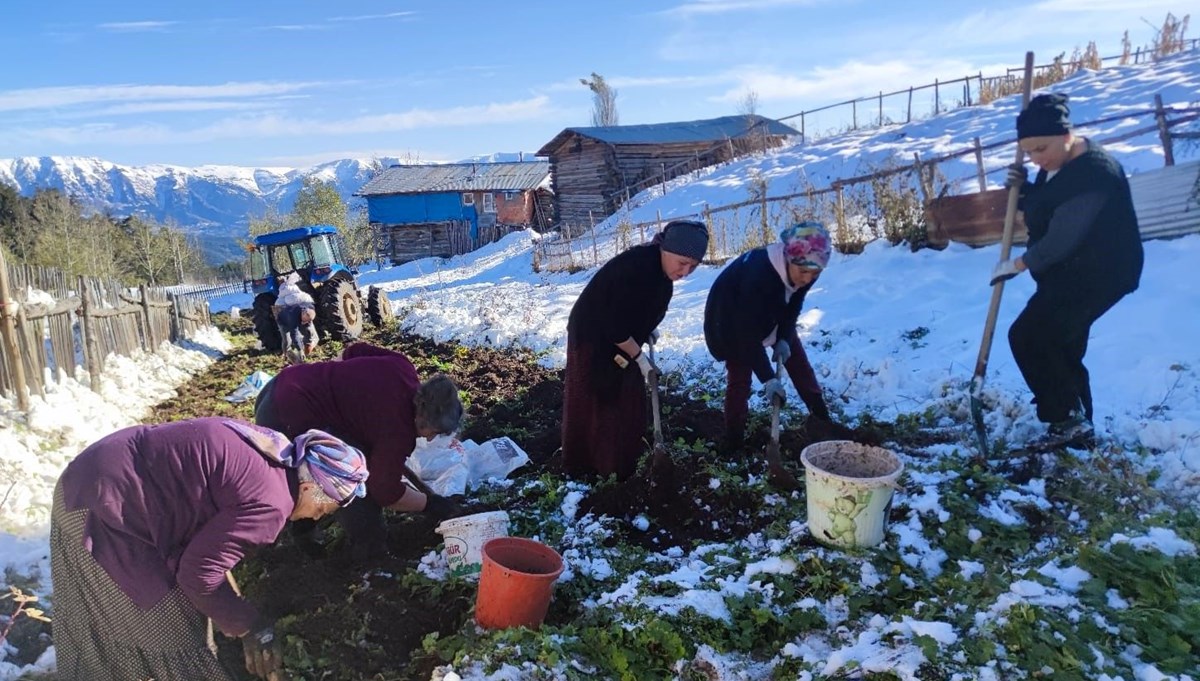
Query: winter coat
(178,504)
(1103,254)
(366,399)
(626,298)
(746,303)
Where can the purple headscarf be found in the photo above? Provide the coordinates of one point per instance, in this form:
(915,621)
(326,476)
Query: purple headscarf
(339,469)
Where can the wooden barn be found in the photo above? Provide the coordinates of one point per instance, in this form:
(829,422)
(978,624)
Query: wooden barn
(419,211)
(594,170)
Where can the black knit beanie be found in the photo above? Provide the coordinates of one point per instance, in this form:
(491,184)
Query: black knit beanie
(1047,115)
(688,238)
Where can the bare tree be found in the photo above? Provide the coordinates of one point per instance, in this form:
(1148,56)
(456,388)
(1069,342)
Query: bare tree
(604,101)
(748,104)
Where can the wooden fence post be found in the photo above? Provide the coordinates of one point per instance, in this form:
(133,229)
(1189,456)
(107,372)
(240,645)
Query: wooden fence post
(937,102)
(16,363)
(176,327)
(146,315)
(854,113)
(595,252)
(919,168)
(570,249)
(1164,131)
(803,137)
(908,119)
(90,350)
(840,210)
(979,165)
(881,108)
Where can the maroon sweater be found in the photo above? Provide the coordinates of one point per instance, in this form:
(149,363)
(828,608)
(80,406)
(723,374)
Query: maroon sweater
(178,504)
(365,399)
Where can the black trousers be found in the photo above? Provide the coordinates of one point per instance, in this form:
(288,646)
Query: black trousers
(1049,340)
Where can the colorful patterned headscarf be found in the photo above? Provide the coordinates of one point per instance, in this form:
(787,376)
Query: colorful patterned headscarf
(807,244)
(339,469)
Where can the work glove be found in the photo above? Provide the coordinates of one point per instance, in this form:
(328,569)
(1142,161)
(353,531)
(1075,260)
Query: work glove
(774,388)
(1017,175)
(264,655)
(441,508)
(645,365)
(654,336)
(1005,270)
(781,351)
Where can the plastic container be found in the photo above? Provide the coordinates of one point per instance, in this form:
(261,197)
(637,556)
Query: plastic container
(849,487)
(463,539)
(516,583)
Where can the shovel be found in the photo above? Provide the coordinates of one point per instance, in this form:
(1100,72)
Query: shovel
(778,475)
(989,327)
(662,468)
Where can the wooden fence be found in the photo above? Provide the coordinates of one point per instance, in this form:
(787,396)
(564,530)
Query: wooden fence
(578,247)
(55,327)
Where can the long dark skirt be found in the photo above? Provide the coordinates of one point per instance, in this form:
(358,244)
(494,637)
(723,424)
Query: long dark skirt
(100,635)
(601,433)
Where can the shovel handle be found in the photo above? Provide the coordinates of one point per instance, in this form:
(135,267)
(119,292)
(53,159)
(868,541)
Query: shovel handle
(775,402)
(656,408)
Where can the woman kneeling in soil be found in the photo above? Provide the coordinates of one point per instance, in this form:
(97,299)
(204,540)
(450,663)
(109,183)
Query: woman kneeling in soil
(146,524)
(604,401)
(374,400)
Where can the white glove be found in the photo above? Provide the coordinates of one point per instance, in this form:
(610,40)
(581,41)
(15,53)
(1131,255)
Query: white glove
(1005,270)
(774,388)
(782,351)
(646,366)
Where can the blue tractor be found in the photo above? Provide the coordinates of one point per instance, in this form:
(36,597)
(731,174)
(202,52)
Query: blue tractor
(317,254)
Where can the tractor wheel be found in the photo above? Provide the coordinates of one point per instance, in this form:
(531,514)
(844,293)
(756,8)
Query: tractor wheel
(264,323)
(340,312)
(379,308)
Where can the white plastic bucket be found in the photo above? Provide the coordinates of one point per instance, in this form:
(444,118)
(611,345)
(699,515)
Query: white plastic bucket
(849,487)
(463,539)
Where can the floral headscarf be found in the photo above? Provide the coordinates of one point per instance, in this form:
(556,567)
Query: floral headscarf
(339,469)
(807,244)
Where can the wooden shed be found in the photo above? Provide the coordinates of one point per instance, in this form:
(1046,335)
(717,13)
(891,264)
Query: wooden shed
(593,170)
(419,211)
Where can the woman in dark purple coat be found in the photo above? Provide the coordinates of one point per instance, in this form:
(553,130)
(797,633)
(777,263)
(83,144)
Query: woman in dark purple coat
(148,521)
(604,401)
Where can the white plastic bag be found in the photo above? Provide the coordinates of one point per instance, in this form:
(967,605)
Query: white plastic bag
(250,387)
(451,467)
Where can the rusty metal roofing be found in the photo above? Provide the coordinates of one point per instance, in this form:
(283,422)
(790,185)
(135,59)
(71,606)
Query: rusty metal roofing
(457,177)
(708,130)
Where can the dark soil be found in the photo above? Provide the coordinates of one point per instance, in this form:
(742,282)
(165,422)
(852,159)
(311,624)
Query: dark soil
(344,620)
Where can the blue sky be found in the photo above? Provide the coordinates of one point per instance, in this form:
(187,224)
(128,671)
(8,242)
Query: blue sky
(273,83)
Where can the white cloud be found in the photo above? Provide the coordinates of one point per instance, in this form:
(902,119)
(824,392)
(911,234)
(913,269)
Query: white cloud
(298,27)
(722,6)
(843,81)
(136,26)
(50,97)
(370,17)
(274,125)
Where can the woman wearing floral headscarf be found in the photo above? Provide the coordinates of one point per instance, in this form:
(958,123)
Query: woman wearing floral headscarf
(146,524)
(753,305)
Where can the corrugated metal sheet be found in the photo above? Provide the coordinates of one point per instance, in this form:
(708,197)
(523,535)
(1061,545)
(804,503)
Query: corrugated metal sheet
(1165,201)
(457,177)
(708,130)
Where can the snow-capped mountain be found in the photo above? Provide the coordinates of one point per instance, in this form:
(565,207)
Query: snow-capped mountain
(213,202)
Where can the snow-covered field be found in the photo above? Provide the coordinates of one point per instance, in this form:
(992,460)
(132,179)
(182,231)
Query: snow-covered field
(890,333)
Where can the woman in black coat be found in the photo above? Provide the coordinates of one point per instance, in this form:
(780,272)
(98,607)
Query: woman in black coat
(604,401)
(753,305)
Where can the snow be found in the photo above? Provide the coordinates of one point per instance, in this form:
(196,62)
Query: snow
(889,331)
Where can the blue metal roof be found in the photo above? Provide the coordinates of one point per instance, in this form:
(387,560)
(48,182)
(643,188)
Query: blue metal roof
(457,177)
(708,130)
(287,236)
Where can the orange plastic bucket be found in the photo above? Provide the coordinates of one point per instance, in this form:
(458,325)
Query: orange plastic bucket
(516,583)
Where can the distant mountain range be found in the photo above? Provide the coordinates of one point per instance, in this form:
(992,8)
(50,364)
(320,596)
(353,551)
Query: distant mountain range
(214,203)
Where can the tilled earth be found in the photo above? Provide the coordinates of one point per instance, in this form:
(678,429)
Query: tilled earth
(345,620)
